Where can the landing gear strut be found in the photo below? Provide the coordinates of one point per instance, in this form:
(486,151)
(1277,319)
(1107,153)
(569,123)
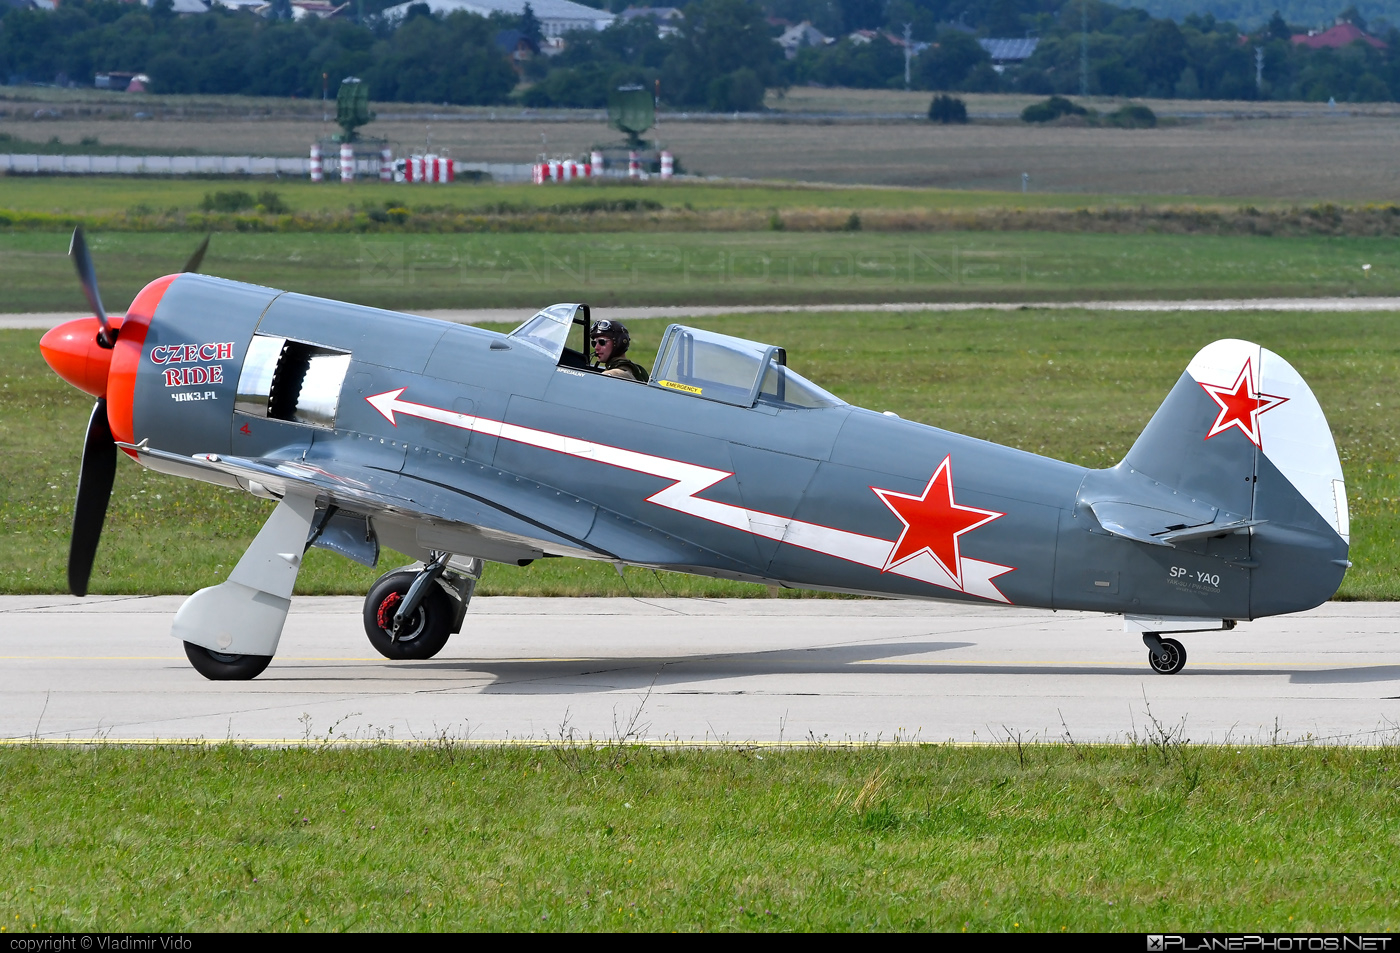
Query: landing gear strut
(410,613)
(1166,656)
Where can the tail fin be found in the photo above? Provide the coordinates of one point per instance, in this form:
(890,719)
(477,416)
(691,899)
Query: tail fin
(1242,431)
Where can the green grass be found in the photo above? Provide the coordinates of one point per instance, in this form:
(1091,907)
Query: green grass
(529,270)
(1074,385)
(1143,838)
(92,195)
(90,146)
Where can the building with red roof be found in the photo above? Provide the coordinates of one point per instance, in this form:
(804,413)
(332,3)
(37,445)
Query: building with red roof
(1343,34)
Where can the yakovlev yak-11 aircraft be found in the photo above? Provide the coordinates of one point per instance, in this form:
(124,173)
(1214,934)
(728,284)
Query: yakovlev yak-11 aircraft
(458,445)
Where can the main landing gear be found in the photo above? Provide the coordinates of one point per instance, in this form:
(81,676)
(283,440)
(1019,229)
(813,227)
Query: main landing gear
(411,612)
(1166,656)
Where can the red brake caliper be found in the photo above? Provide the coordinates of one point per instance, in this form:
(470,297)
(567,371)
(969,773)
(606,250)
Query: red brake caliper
(387,609)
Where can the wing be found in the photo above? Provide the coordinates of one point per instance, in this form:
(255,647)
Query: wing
(493,514)
(392,497)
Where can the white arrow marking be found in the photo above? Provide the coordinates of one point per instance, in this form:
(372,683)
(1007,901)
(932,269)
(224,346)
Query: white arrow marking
(692,479)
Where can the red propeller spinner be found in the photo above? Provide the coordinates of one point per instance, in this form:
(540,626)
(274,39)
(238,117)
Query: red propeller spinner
(75,352)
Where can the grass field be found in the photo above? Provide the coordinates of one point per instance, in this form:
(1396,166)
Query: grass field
(1247,151)
(70,195)
(1153,837)
(1074,385)
(531,270)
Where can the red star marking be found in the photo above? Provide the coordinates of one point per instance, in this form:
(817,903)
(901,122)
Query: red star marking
(1240,405)
(933,522)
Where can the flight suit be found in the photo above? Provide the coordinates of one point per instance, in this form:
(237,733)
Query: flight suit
(621,367)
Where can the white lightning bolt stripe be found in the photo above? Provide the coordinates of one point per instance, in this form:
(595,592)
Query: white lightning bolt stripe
(692,479)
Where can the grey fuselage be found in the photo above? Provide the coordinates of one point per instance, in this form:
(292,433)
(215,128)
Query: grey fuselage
(817,465)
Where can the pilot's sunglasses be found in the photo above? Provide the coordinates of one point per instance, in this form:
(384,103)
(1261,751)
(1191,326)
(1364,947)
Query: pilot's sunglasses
(598,341)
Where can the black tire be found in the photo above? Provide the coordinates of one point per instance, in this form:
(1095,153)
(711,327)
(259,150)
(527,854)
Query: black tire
(424,635)
(1173,661)
(220,667)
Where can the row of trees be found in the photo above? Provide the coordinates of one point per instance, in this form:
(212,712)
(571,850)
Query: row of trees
(424,60)
(1129,54)
(723,58)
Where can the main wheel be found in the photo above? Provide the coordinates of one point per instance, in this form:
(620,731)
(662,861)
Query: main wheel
(1172,661)
(221,667)
(423,635)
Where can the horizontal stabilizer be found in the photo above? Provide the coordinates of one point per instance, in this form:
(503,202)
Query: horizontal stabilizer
(1208,530)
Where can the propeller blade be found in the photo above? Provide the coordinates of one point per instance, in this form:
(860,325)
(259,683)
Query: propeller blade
(87,275)
(95,479)
(198,257)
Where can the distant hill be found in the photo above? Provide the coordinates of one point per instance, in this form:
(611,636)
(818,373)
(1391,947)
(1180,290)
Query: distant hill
(1248,14)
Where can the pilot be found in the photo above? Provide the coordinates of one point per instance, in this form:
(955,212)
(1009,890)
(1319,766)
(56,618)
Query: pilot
(610,342)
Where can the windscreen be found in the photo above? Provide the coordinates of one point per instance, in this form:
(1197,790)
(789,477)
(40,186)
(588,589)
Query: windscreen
(548,330)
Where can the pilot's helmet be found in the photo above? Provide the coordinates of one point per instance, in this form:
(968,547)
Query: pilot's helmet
(615,331)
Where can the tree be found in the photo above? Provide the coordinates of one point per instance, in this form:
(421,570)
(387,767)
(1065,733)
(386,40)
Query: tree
(1278,29)
(1353,16)
(877,64)
(719,40)
(948,63)
(739,91)
(947,109)
(1004,18)
(530,26)
(1160,56)
(861,14)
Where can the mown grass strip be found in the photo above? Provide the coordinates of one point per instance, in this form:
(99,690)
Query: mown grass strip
(111,195)
(617,215)
(1157,836)
(413,271)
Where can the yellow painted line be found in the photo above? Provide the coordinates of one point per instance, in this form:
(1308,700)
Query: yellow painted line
(90,658)
(1319,666)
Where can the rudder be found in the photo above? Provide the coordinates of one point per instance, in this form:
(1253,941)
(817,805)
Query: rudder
(1242,430)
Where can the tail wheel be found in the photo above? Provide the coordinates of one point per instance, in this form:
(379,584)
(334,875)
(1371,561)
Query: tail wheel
(1172,659)
(423,635)
(221,667)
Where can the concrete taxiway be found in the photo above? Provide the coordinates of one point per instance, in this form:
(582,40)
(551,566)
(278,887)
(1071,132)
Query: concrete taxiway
(699,670)
(45,320)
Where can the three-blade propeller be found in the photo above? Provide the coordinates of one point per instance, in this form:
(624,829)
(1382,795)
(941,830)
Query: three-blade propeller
(99,466)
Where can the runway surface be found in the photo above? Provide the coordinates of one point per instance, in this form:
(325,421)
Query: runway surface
(699,670)
(676,313)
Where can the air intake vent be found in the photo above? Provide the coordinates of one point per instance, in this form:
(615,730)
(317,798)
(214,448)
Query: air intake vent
(292,381)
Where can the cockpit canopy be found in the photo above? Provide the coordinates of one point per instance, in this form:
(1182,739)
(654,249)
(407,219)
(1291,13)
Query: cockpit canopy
(704,364)
(732,371)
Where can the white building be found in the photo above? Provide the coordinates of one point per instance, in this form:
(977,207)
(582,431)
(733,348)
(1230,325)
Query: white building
(556,17)
(804,34)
